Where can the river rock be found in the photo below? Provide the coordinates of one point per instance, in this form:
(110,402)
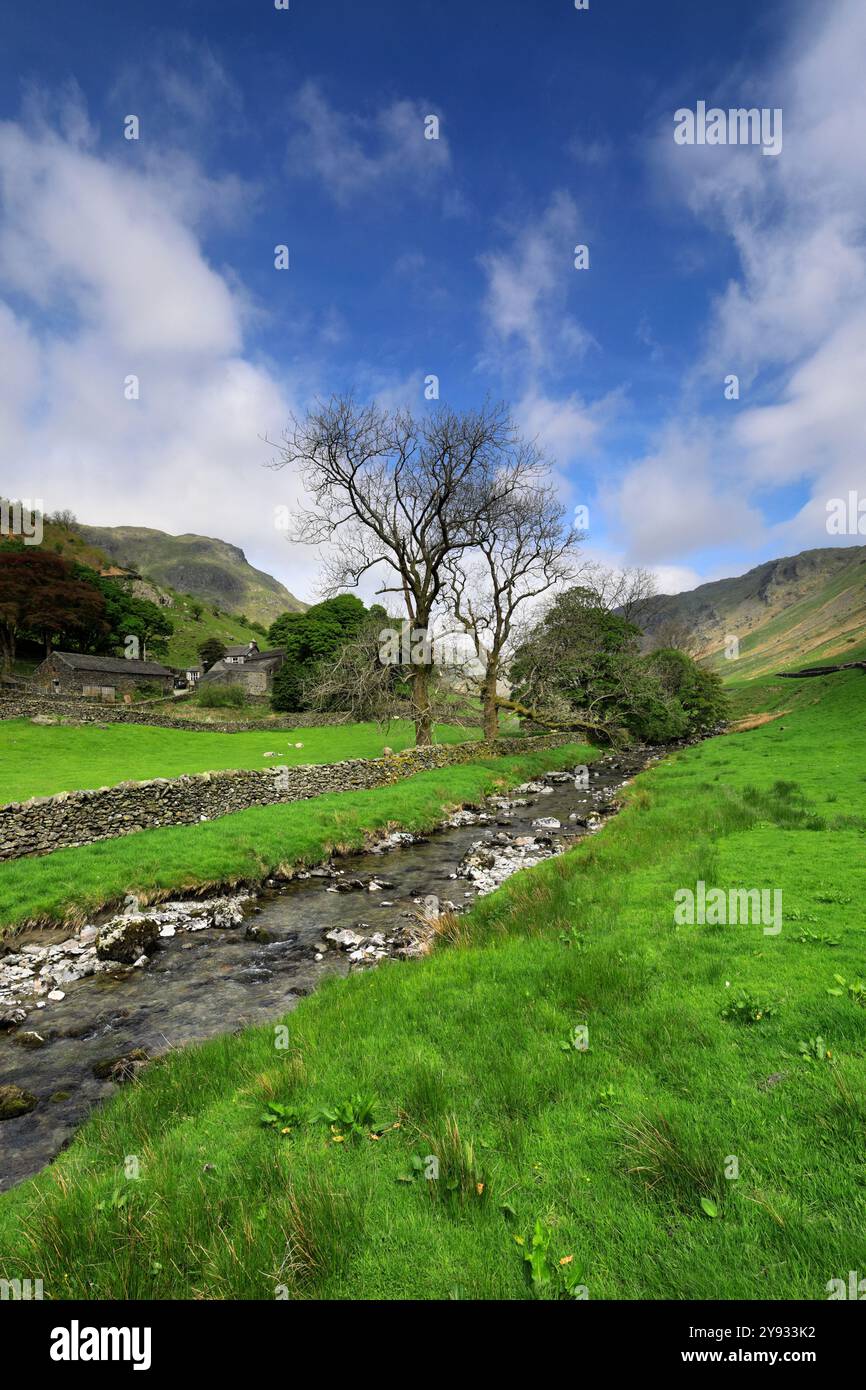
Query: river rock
(14,1102)
(127,939)
(123,1068)
(344,938)
(11,1017)
(227,912)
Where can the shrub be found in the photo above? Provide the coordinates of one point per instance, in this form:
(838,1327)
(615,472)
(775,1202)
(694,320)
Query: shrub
(221,696)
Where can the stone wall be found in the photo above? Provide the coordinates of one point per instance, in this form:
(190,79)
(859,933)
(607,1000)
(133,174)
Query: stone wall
(47,823)
(92,712)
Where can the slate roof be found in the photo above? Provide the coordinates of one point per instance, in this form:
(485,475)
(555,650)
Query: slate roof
(112,665)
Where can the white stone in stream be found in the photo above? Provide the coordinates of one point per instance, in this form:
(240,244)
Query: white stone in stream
(67,975)
(227,913)
(342,937)
(546,823)
(167,931)
(56,995)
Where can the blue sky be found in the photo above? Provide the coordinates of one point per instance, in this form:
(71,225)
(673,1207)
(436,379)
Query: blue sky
(453,257)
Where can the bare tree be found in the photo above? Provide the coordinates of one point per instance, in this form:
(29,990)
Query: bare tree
(360,683)
(527,550)
(404,493)
(676,633)
(628,592)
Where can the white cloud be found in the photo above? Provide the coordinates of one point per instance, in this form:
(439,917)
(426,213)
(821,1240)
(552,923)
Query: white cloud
(354,154)
(565,426)
(792,323)
(527,288)
(110,279)
(672,503)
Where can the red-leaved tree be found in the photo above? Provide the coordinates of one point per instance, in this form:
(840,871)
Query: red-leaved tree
(40,594)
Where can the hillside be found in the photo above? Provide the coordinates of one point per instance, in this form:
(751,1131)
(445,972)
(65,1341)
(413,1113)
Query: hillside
(189,630)
(208,568)
(809,605)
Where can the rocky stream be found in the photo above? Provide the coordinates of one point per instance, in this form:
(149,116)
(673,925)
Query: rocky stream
(83,1012)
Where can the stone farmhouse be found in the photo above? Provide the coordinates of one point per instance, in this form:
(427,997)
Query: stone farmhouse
(106,678)
(247,667)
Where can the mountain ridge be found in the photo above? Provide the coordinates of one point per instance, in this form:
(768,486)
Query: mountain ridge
(211,569)
(812,604)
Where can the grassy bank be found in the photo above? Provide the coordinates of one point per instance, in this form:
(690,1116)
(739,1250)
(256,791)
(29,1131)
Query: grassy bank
(72,883)
(39,759)
(624,1154)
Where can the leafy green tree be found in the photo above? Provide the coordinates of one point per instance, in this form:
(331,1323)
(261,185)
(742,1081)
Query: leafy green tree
(211,651)
(127,616)
(700,692)
(580,667)
(309,639)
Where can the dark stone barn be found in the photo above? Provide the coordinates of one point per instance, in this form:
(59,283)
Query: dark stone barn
(106,678)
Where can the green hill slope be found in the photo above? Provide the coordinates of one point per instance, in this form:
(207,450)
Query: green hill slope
(811,605)
(208,568)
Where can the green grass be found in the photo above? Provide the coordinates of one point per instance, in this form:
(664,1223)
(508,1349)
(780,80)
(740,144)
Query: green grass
(41,759)
(190,631)
(621,1150)
(73,883)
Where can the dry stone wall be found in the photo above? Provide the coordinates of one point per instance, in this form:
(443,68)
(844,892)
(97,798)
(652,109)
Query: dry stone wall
(47,823)
(86,712)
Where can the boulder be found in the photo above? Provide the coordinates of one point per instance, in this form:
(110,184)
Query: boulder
(127,939)
(14,1102)
(227,913)
(123,1068)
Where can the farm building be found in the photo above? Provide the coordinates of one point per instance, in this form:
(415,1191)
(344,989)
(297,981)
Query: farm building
(106,678)
(247,667)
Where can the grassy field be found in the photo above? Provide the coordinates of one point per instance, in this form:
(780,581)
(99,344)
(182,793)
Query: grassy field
(72,883)
(612,1167)
(40,759)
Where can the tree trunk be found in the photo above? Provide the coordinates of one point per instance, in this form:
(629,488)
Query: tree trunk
(421,701)
(489,706)
(7,648)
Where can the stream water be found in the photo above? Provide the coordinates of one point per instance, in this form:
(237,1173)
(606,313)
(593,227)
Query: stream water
(204,980)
